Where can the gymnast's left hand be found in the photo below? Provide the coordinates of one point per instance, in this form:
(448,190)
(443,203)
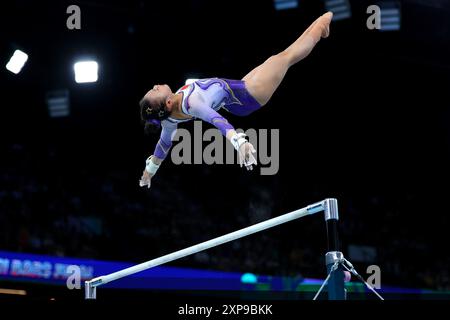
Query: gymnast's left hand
(246,157)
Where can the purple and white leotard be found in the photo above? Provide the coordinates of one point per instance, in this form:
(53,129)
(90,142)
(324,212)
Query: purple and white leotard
(201,100)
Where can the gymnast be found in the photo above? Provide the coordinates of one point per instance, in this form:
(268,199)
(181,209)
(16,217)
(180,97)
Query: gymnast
(202,99)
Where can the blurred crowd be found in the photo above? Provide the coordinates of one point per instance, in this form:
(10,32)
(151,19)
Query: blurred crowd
(49,207)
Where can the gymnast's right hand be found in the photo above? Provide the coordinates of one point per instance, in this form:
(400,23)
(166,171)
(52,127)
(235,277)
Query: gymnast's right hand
(146,179)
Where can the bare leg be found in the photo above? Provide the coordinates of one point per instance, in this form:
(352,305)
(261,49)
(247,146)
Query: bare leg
(262,81)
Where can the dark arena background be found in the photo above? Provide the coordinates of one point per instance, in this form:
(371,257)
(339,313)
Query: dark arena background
(363,119)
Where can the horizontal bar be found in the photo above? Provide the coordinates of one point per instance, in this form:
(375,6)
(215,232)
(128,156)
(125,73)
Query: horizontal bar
(311,209)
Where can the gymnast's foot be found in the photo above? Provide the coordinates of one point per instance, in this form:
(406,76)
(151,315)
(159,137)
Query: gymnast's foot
(303,46)
(320,28)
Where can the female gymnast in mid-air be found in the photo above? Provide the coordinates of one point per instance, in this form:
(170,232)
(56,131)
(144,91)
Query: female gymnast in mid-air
(160,107)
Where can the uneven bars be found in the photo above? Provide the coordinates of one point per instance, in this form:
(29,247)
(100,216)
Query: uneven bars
(91,285)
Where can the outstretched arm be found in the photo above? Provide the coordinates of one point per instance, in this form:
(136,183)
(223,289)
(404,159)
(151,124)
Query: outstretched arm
(161,151)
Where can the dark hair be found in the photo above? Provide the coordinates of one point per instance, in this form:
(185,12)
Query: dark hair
(148,118)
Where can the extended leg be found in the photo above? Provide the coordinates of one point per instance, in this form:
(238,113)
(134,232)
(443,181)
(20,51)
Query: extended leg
(262,81)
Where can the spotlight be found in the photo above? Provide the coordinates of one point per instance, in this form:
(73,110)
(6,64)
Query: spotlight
(17,61)
(86,71)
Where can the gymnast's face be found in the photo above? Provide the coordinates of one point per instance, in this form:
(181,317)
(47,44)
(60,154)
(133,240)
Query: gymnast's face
(158,95)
